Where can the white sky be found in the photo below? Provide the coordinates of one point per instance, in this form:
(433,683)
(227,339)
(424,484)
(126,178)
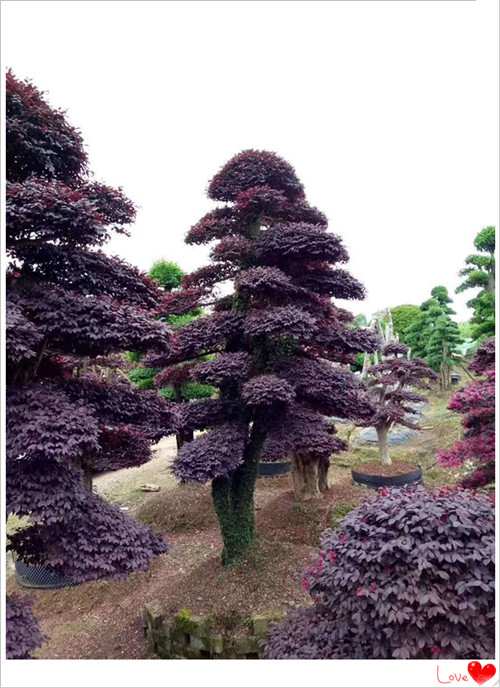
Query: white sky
(387,110)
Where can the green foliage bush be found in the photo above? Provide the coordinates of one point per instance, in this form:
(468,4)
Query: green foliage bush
(177,321)
(167,273)
(402,317)
(189,390)
(143,378)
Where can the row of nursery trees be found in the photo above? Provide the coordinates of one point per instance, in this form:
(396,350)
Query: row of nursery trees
(276,350)
(430,331)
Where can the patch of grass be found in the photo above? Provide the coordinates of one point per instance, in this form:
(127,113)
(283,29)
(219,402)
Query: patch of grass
(339,512)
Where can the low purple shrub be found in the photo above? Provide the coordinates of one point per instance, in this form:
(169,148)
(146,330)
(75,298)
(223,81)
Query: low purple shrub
(408,575)
(23,635)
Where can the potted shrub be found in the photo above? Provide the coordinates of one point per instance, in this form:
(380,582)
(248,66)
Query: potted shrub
(392,384)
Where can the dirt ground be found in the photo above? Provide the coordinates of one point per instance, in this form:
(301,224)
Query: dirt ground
(103,619)
(123,487)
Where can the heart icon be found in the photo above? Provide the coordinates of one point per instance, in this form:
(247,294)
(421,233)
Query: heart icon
(481,674)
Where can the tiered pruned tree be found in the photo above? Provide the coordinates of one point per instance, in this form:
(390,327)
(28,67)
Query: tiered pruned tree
(275,340)
(479,273)
(393,385)
(476,403)
(69,305)
(435,336)
(443,349)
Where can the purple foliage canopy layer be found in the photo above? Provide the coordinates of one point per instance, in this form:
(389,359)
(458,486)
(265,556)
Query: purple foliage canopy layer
(393,382)
(68,306)
(476,403)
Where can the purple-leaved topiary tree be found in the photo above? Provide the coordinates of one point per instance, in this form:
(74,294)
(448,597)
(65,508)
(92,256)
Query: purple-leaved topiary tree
(274,341)
(68,305)
(476,403)
(392,384)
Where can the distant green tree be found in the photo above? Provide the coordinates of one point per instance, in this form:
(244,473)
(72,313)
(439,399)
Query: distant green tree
(402,318)
(479,273)
(419,332)
(434,336)
(142,377)
(167,274)
(440,294)
(358,322)
(465,329)
(468,345)
(442,348)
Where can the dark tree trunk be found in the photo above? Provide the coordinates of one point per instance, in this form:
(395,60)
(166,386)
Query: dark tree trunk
(491,278)
(183,436)
(87,479)
(444,377)
(323,476)
(444,380)
(233,498)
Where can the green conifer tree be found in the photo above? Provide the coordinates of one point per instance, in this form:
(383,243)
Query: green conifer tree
(434,336)
(442,348)
(479,273)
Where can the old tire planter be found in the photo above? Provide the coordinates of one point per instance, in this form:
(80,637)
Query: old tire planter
(39,577)
(413,477)
(271,468)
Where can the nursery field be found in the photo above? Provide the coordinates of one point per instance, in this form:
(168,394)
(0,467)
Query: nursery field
(103,619)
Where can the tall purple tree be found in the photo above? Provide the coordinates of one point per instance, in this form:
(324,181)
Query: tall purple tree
(68,304)
(392,385)
(476,403)
(274,340)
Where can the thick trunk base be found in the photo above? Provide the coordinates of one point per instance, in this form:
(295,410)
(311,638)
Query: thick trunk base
(382,435)
(309,478)
(323,483)
(233,498)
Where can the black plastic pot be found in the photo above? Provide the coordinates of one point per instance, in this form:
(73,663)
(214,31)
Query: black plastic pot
(39,577)
(272,468)
(413,477)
